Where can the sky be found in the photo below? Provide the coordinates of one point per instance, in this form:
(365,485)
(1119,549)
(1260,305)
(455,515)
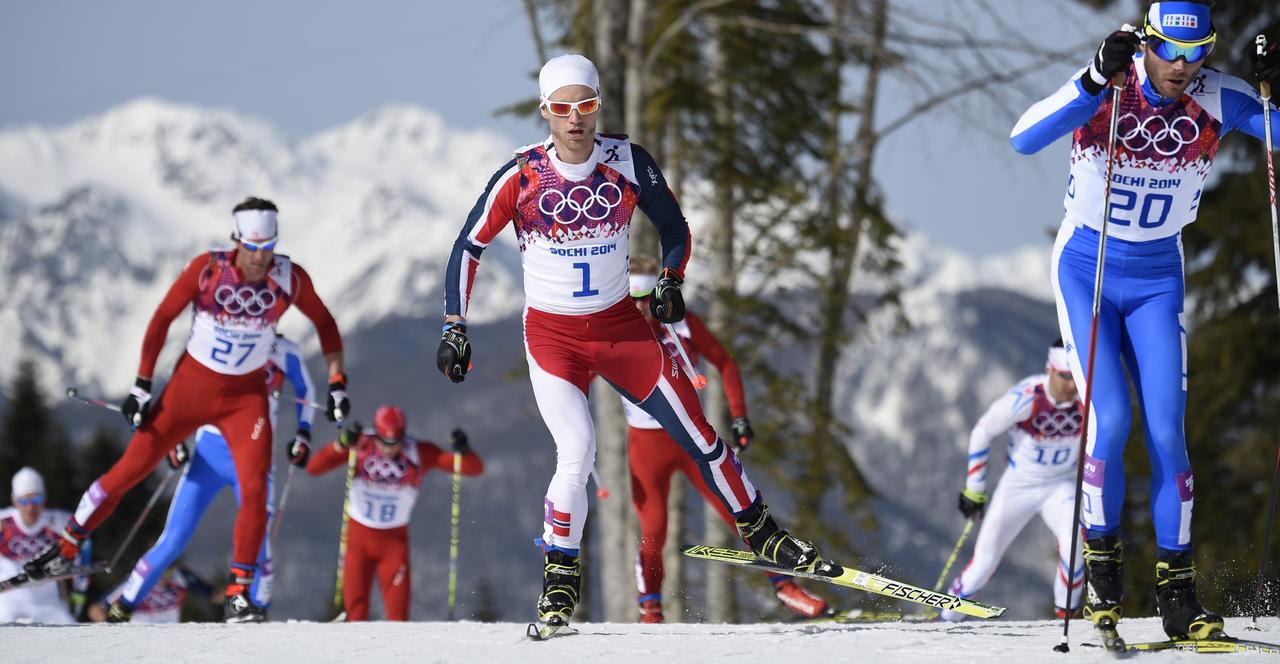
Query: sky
(308,66)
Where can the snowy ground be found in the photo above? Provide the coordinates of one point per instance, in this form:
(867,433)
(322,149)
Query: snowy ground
(314,643)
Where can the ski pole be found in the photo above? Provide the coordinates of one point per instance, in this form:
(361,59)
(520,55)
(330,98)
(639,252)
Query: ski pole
(1264,88)
(342,536)
(601,491)
(305,402)
(137,524)
(284,500)
(699,381)
(454,512)
(955,553)
(73,393)
(1117,95)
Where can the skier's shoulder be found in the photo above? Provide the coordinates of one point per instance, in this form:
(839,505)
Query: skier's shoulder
(1022,395)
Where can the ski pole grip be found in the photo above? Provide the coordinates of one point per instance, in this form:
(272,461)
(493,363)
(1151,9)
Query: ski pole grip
(1264,87)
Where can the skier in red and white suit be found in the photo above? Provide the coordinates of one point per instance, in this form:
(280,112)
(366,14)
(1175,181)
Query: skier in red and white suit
(654,457)
(571,198)
(237,298)
(390,467)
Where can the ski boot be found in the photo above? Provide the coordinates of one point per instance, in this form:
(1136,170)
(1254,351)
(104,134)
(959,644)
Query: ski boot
(54,560)
(1180,611)
(561,579)
(238,607)
(800,601)
(1104,560)
(947,615)
(777,546)
(651,612)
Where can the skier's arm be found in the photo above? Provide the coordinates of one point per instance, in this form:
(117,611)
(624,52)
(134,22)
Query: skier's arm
(333,455)
(708,346)
(472,465)
(1242,111)
(495,208)
(1002,416)
(181,293)
(311,306)
(1055,116)
(659,204)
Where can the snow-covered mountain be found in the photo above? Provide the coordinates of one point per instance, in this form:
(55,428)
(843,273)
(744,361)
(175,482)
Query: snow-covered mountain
(96,218)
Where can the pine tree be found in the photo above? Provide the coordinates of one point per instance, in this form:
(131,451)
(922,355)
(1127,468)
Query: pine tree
(29,436)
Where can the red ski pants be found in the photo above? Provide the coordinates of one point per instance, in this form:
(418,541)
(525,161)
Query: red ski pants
(387,553)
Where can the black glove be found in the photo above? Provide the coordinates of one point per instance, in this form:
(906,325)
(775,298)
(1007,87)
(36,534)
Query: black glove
(972,503)
(178,456)
(454,355)
(339,405)
(138,403)
(458,438)
(348,436)
(300,449)
(1266,66)
(1113,57)
(666,303)
(742,433)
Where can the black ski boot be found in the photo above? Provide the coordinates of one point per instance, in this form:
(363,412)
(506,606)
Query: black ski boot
(54,560)
(561,579)
(1180,611)
(1104,560)
(774,544)
(119,613)
(238,607)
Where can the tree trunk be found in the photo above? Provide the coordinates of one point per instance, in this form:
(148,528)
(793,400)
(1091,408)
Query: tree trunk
(644,237)
(721,604)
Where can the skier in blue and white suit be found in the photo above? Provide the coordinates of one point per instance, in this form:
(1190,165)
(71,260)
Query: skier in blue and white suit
(1172,116)
(209,470)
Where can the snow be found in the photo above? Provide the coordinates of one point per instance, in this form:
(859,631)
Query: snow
(316,643)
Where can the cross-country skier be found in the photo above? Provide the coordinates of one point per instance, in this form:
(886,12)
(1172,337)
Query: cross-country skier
(162,604)
(1172,117)
(25,529)
(654,457)
(390,467)
(571,197)
(208,471)
(237,297)
(1041,414)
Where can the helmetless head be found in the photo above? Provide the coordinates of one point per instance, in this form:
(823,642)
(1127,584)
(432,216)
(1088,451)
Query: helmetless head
(27,492)
(1178,37)
(1062,383)
(569,97)
(255,236)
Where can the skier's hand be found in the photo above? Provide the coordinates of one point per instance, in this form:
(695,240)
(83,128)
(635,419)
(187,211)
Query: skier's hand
(1266,66)
(453,357)
(742,433)
(458,440)
(339,406)
(178,456)
(972,503)
(1113,57)
(300,449)
(666,303)
(138,403)
(348,436)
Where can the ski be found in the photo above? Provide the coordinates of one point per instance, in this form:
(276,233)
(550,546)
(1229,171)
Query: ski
(849,578)
(1219,645)
(21,579)
(1111,640)
(541,631)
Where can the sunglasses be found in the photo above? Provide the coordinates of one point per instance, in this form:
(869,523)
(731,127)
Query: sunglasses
(1064,375)
(392,442)
(29,500)
(1170,51)
(254,248)
(562,109)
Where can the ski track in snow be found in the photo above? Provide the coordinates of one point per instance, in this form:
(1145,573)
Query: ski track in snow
(314,643)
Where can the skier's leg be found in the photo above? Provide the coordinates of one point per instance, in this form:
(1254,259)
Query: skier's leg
(247,427)
(393,574)
(1057,512)
(651,469)
(197,487)
(260,591)
(1012,505)
(357,572)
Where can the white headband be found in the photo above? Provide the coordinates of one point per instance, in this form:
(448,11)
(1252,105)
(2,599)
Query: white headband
(562,70)
(27,481)
(255,225)
(1058,359)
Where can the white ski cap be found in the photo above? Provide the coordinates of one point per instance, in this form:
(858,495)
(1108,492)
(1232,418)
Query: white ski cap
(562,70)
(26,482)
(1058,360)
(643,283)
(255,225)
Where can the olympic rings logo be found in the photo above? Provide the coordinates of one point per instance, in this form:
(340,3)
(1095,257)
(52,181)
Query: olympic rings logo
(1167,137)
(1057,424)
(581,201)
(383,470)
(245,299)
(25,548)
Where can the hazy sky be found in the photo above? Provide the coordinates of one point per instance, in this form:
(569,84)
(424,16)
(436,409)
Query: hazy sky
(306,66)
